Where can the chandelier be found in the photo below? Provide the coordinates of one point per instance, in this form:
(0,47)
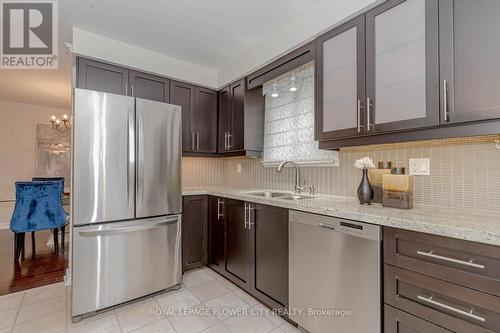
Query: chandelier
(63,127)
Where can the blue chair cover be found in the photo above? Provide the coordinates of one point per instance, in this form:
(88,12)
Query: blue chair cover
(38,206)
(50,179)
(53,179)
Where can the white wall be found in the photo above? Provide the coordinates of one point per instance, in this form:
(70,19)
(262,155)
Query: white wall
(18,142)
(297,32)
(96,46)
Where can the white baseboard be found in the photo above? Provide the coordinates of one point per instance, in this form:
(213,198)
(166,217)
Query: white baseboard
(4,225)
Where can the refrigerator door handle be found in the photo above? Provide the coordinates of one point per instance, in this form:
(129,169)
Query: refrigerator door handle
(140,157)
(130,157)
(112,231)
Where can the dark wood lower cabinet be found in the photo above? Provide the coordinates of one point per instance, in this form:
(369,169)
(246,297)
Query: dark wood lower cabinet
(450,283)
(237,244)
(248,244)
(216,234)
(194,231)
(269,243)
(397,321)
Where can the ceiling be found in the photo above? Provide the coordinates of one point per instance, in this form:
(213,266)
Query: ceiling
(206,33)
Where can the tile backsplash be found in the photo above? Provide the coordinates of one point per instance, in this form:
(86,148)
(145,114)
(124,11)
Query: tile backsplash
(465,173)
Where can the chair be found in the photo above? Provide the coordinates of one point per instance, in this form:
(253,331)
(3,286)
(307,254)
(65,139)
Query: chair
(38,207)
(63,228)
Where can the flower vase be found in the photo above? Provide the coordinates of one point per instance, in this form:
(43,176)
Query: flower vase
(365,190)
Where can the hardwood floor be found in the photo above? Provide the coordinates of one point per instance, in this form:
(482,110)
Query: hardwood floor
(35,269)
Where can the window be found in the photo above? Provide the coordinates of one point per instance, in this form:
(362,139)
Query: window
(289,120)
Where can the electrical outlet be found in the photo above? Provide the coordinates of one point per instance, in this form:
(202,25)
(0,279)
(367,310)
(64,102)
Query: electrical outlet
(238,168)
(420,166)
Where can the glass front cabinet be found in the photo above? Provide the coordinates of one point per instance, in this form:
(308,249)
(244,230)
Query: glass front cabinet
(379,72)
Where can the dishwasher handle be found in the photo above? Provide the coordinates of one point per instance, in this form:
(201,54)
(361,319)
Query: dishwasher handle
(353,228)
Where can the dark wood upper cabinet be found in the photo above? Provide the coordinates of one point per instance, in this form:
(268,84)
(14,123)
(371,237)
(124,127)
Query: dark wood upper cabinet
(232,117)
(402,81)
(237,134)
(94,75)
(269,243)
(216,233)
(183,94)
(340,81)
(199,116)
(149,86)
(241,120)
(194,231)
(205,120)
(237,243)
(469,65)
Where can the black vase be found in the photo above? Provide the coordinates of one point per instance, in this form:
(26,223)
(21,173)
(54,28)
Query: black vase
(365,190)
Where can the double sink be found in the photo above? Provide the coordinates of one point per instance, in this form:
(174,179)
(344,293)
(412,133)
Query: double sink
(280,195)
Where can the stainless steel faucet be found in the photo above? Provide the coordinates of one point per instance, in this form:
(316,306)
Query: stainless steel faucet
(298,188)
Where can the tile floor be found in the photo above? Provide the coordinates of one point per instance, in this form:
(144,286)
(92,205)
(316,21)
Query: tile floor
(208,302)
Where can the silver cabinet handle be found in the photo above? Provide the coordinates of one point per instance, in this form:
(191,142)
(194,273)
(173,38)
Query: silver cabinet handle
(251,210)
(469,314)
(229,136)
(246,216)
(125,89)
(192,141)
(197,141)
(225,140)
(469,263)
(326,226)
(219,210)
(368,116)
(114,231)
(359,116)
(445,100)
(132,90)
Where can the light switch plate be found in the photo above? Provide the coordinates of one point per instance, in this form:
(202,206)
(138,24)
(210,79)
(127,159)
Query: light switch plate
(238,168)
(420,166)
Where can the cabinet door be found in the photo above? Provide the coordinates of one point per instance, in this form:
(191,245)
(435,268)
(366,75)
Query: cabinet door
(205,120)
(402,65)
(470,66)
(237,243)
(148,86)
(237,132)
(340,81)
(269,232)
(94,75)
(194,231)
(216,233)
(396,321)
(183,94)
(224,120)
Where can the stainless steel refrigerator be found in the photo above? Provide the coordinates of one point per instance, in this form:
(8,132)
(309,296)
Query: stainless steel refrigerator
(126,199)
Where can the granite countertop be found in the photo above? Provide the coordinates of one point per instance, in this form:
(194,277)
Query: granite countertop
(479,226)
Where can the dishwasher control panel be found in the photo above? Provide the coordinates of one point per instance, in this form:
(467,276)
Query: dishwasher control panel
(353,228)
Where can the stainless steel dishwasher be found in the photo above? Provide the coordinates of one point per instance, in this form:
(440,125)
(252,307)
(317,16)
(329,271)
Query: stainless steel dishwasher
(335,274)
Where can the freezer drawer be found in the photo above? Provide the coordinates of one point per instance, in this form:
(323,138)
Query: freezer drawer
(117,262)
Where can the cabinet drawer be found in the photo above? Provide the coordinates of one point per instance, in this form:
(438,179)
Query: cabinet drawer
(397,321)
(454,307)
(462,262)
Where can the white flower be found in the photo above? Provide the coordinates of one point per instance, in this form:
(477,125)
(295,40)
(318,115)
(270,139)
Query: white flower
(364,163)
